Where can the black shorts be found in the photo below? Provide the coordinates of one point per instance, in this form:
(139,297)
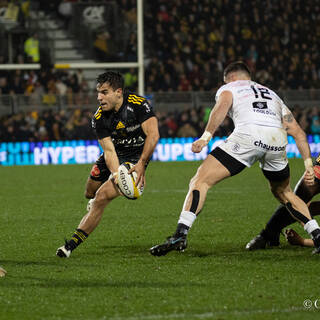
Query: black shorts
(100,171)
(233,165)
(277,176)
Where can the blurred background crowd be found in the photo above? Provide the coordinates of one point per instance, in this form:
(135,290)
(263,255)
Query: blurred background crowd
(187,45)
(73,124)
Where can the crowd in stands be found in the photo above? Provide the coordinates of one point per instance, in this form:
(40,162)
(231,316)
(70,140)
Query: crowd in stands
(73,124)
(187,45)
(189,42)
(46,87)
(48,125)
(193,40)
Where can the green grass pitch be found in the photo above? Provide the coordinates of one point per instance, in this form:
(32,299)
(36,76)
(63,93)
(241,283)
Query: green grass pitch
(113,276)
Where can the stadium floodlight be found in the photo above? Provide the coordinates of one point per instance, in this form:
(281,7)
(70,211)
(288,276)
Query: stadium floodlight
(114,65)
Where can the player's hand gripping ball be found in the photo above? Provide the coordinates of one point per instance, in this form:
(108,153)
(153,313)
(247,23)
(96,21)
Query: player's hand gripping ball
(127,182)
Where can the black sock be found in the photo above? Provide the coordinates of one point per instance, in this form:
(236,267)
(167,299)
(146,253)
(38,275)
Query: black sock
(316,237)
(279,220)
(78,237)
(182,229)
(314,208)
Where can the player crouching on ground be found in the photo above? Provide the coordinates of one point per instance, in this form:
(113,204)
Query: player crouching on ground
(281,218)
(127,131)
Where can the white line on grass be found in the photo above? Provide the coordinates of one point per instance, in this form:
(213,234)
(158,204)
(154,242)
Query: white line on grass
(229,191)
(206,315)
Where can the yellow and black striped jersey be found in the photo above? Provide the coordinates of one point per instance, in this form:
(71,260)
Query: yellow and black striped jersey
(124,126)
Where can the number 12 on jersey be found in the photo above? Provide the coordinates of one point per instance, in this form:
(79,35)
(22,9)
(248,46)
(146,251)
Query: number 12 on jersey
(264,92)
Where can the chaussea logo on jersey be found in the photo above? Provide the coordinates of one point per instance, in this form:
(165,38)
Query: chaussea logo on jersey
(267,146)
(262,107)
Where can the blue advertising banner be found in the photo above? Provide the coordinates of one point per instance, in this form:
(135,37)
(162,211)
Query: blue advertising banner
(87,151)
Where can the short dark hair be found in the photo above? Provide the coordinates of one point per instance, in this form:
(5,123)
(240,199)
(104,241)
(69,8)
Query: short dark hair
(114,79)
(236,66)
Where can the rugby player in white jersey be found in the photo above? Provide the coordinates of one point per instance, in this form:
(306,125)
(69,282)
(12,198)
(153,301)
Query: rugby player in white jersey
(262,122)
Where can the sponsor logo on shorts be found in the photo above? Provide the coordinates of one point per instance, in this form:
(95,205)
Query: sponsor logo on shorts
(267,146)
(236,147)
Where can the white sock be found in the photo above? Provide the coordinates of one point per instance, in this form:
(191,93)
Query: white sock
(311,225)
(187,218)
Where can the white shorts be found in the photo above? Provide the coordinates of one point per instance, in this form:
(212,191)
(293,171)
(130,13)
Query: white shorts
(248,149)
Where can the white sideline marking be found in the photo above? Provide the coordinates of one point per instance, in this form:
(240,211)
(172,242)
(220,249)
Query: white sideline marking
(229,191)
(206,315)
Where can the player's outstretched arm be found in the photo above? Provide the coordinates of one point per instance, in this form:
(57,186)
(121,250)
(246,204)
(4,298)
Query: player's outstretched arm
(296,240)
(217,115)
(150,129)
(110,154)
(293,129)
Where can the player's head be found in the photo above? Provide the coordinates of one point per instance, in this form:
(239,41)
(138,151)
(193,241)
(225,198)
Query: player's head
(237,70)
(110,86)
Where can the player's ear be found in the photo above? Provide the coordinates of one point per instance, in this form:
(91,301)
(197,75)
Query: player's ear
(119,91)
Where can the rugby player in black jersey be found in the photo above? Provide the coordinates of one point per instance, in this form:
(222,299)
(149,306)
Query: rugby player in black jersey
(281,218)
(127,130)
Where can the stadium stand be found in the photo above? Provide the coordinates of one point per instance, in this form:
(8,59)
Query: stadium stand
(194,41)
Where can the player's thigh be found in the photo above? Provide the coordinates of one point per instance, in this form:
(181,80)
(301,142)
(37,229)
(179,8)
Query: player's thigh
(210,172)
(107,192)
(91,187)
(279,181)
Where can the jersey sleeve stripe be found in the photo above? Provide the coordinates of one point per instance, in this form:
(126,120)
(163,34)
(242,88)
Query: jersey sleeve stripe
(136,98)
(98,113)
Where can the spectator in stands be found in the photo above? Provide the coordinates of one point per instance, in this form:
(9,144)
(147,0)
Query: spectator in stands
(61,89)
(37,94)
(315,125)
(103,46)
(32,49)
(184,83)
(130,79)
(314,120)
(65,12)
(16,86)
(131,49)
(187,130)
(84,92)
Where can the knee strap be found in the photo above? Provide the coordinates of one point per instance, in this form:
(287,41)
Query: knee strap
(296,214)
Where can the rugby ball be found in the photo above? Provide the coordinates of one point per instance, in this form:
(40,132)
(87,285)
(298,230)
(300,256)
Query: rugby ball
(127,182)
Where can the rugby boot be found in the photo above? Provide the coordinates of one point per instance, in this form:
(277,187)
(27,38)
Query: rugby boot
(64,251)
(175,242)
(260,242)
